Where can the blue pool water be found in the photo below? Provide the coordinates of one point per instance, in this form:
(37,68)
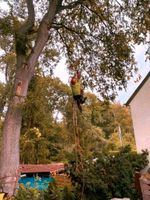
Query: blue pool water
(39,183)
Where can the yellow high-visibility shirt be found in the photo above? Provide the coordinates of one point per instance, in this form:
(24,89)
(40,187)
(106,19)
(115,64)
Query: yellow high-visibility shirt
(1,196)
(76,88)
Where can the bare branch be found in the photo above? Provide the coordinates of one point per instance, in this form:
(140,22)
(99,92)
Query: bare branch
(67,47)
(119,4)
(59,26)
(10,5)
(71,5)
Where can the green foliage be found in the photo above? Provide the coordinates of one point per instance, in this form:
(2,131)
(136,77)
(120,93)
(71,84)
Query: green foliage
(108,28)
(28,194)
(46,97)
(101,177)
(108,175)
(5,25)
(21,45)
(98,36)
(112,121)
(2,97)
(138,11)
(68,194)
(34,147)
(103,117)
(53,192)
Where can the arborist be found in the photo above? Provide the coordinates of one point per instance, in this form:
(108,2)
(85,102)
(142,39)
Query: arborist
(77,90)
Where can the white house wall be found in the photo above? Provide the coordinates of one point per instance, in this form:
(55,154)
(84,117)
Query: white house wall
(140,110)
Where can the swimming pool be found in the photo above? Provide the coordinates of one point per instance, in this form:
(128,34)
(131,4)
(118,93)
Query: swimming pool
(40,183)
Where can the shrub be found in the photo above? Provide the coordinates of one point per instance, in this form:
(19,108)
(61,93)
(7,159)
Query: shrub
(108,176)
(103,177)
(26,193)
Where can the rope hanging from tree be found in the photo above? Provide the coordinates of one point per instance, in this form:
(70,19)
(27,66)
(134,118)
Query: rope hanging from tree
(78,99)
(78,149)
(79,167)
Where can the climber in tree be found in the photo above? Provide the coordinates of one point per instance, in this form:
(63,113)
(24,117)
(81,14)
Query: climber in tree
(77,90)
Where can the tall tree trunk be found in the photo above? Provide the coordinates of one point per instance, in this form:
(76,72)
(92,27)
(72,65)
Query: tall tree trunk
(9,158)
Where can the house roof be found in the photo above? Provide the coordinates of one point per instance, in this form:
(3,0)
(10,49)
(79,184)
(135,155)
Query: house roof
(35,168)
(137,90)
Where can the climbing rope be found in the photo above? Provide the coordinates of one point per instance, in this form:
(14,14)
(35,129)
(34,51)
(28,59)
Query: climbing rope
(78,149)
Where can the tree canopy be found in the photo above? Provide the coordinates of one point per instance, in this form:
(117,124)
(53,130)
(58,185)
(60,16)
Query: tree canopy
(95,36)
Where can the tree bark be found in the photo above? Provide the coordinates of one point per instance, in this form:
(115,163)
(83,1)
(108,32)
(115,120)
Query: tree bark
(9,158)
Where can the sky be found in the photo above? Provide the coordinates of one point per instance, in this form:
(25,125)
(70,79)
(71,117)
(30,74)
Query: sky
(123,96)
(144,68)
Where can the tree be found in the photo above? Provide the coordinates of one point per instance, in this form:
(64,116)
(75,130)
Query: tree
(102,116)
(122,134)
(46,96)
(34,147)
(71,27)
(2,97)
(25,65)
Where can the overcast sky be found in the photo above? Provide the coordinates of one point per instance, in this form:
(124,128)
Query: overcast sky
(144,68)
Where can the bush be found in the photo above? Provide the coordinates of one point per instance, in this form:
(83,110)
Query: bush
(52,193)
(108,176)
(25,193)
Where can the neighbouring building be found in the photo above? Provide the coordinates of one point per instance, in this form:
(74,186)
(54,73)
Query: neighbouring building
(139,103)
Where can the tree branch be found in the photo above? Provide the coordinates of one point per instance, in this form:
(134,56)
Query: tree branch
(43,33)
(67,47)
(79,34)
(119,4)
(59,26)
(70,5)
(28,25)
(101,16)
